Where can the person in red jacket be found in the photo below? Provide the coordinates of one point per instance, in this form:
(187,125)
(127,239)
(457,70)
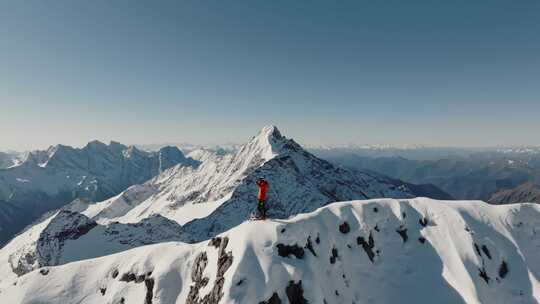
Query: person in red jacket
(263,188)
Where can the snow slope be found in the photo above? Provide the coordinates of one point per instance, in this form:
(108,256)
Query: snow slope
(374,251)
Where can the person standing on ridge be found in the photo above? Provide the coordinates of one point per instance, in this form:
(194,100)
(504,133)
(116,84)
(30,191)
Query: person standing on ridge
(261,206)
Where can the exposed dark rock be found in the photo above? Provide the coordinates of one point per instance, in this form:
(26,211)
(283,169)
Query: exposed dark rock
(198,266)
(423,221)
(128,277)
(309,246)
(224,261)
(486,251)
(367,246)
(477,249)
(483,274)
(149,283)
(318,239)
(287,250)
(103,290)
(215,242)
(403,215)
(336,292)
(503,270)
(44,271)
(65,225)
(334,255)
(344,228)
(295,293)
(377,228)
(282,231)
(274,299)
(403,233)
(422,239)
(240,282)
(197,277)
(132,277)
(115,273)
(375,209)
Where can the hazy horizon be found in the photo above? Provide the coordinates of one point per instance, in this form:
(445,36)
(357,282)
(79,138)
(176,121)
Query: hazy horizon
(299,140)
(449,74)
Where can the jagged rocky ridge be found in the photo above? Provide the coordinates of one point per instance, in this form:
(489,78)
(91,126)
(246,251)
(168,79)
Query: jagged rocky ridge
(377,251)
(47,180)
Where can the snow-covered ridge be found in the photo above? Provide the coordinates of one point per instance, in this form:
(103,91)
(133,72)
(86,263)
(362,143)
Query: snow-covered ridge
(376,251)
(70,236)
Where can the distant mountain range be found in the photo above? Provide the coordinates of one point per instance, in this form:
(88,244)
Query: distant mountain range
(478,175)
(47,180)
(527,192)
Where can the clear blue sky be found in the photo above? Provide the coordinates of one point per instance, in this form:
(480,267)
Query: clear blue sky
(433,72)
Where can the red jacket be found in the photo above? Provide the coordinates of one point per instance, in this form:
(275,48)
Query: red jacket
(263,188)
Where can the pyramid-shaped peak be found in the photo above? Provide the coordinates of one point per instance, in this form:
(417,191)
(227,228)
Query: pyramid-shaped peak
(270,132)
(270,143)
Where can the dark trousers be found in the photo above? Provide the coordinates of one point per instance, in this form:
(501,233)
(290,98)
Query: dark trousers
(261,207)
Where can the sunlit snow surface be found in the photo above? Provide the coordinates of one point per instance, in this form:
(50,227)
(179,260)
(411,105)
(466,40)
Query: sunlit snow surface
(444,269)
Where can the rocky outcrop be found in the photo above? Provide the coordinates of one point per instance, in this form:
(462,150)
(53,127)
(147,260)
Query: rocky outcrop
(367,245)
(64,226)
(288,250)
(295,293)
(224,261)
(67,226)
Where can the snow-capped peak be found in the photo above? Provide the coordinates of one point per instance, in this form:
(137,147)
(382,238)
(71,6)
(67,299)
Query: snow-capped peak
(265,144)
(268,144)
